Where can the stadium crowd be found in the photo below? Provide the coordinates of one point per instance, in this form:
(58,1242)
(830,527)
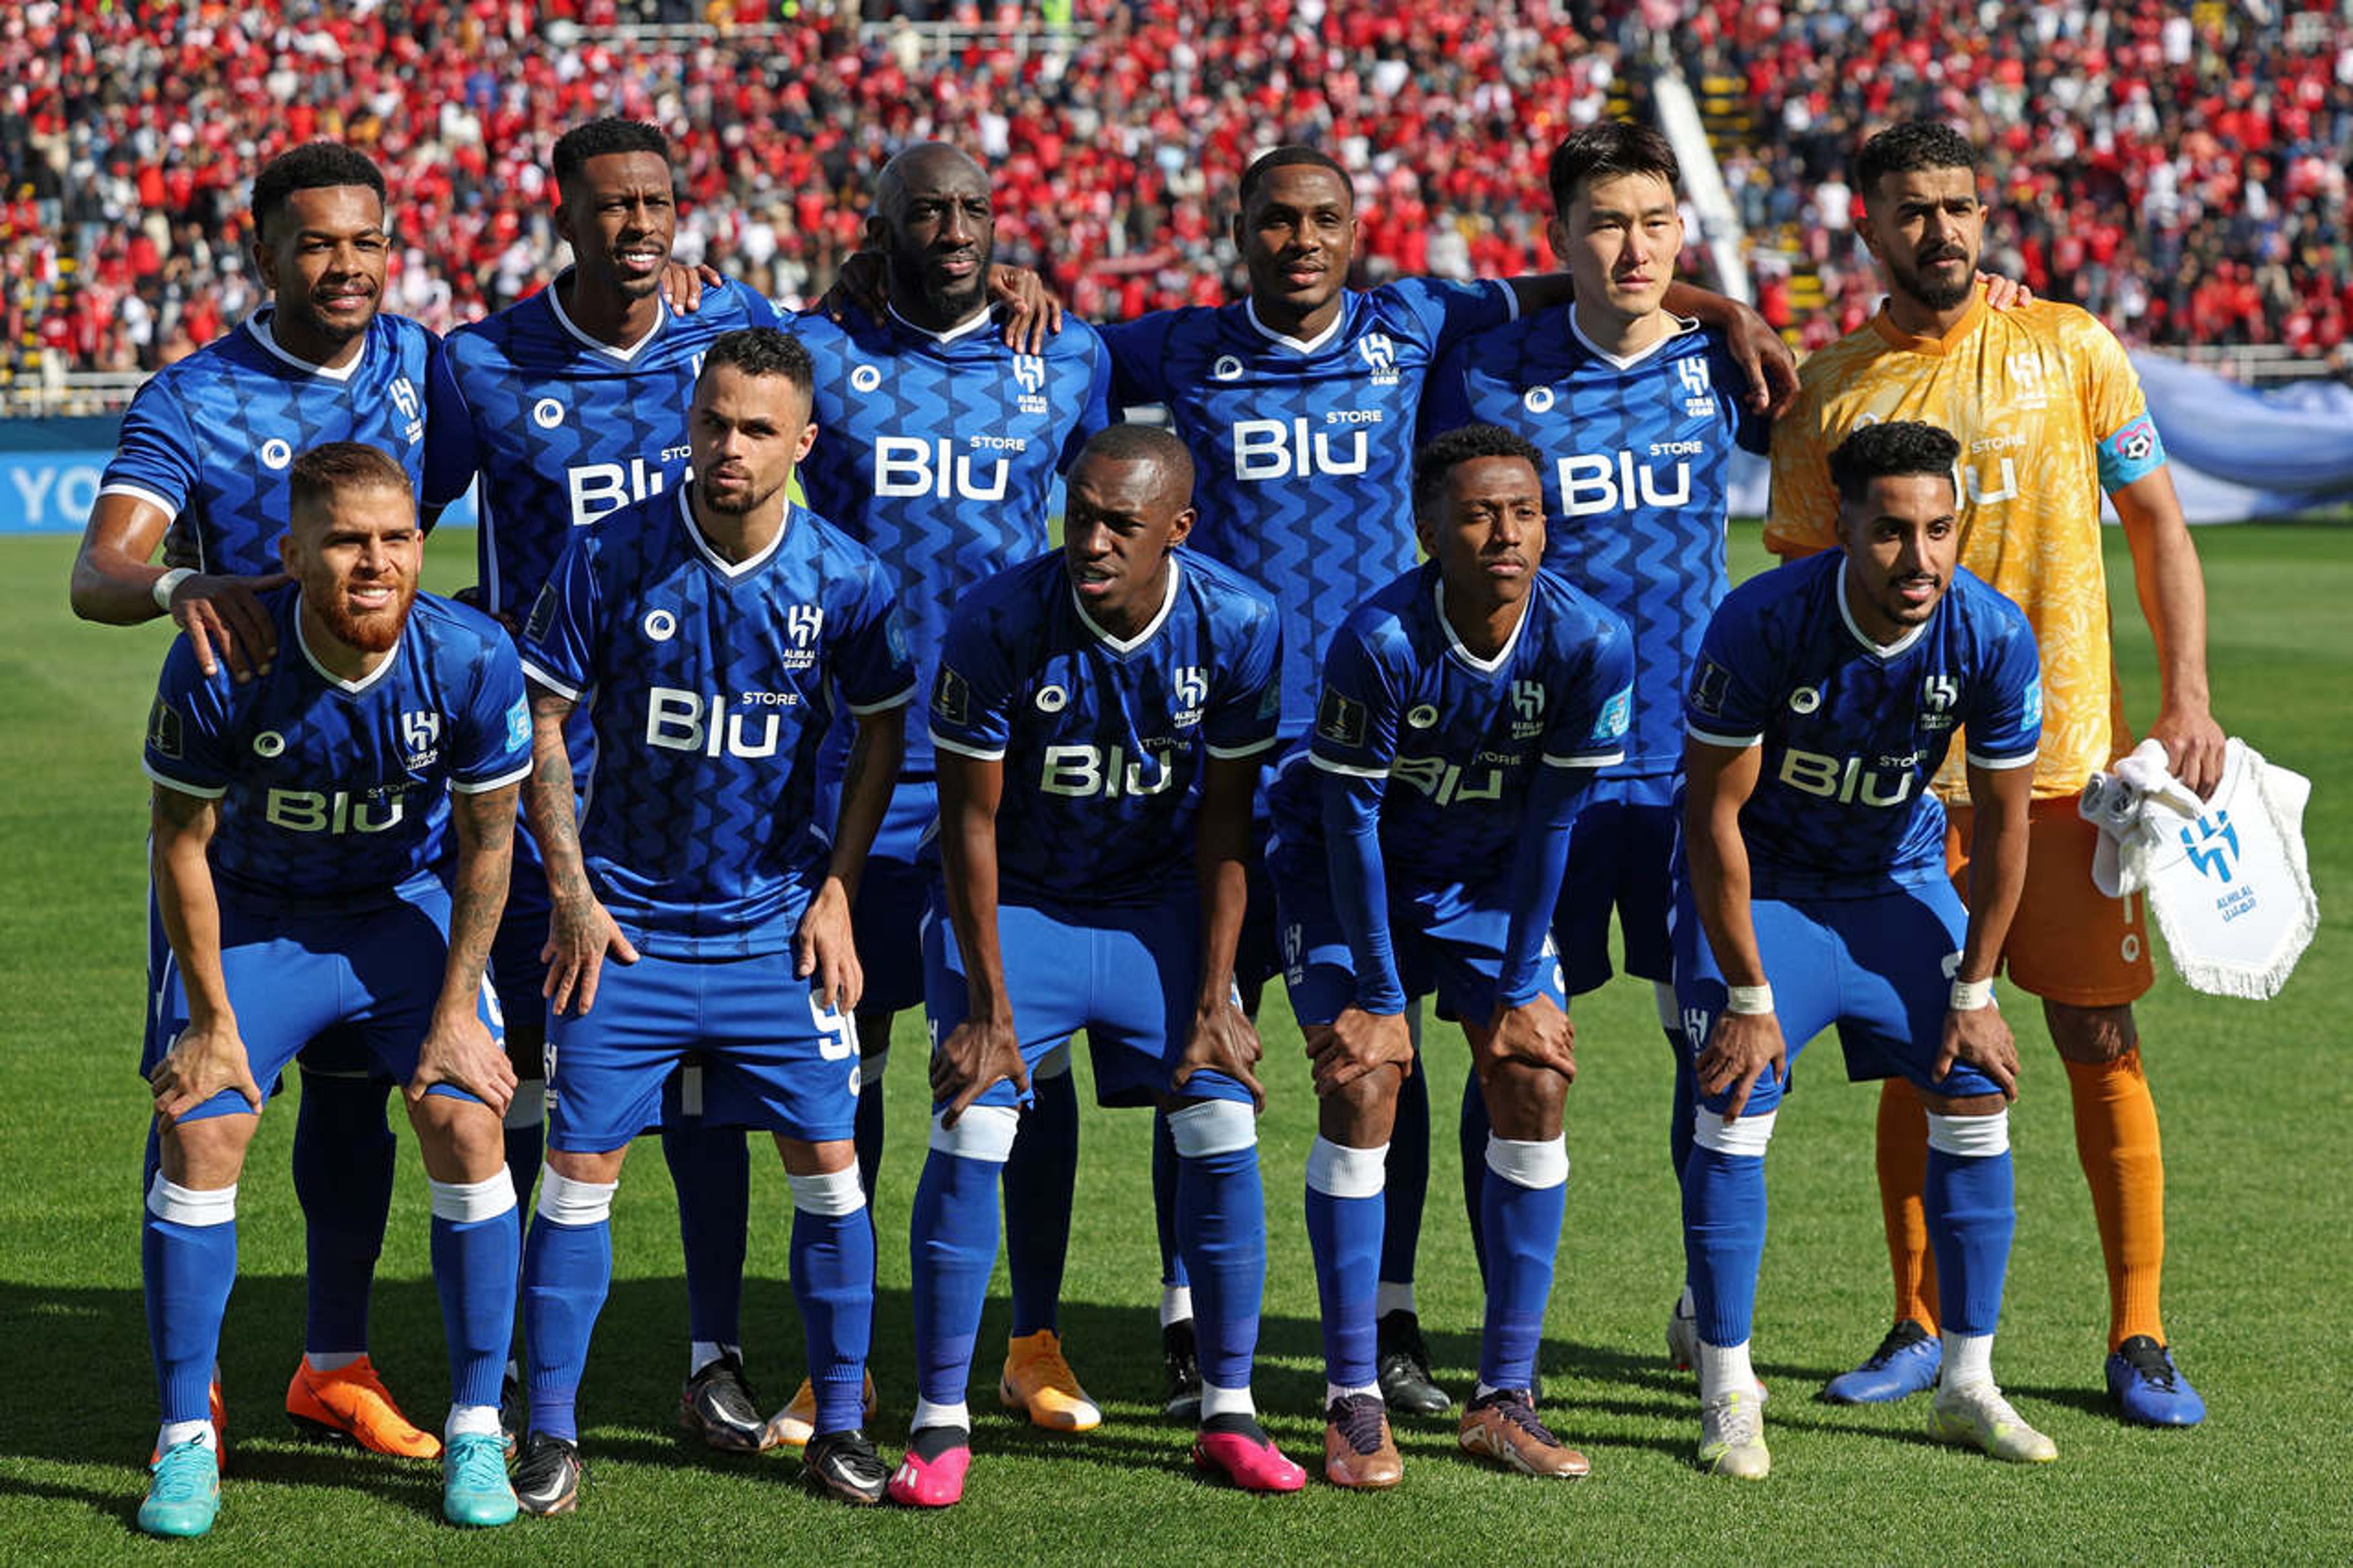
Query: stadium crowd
(2181,174)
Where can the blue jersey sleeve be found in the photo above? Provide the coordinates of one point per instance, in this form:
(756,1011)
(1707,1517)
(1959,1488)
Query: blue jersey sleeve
(184,749)
(1451,312)
(1445,402)
(1095,413)
(1137,349)
(1588,728)
(155,457)
(450,452)
(1244,718)
(1726,705)
(560,639)
(871,667)
(492,746)
(1751,431)
(1353,748)
(1356,718)
(972,692)
(2004,726)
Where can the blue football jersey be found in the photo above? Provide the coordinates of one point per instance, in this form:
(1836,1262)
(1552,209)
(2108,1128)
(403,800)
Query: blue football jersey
(1637,475)
(334,792)
(208,439)
(564,428)
(939,452)
(1303,452)
(1453,740)
(710,684)
(1853,731)
(1104,741)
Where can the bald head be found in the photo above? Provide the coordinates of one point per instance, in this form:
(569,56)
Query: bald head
(1154,448)
(934,224)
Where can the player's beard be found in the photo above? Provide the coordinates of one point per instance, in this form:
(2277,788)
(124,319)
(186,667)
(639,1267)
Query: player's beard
(1935,292)
(741,503)
(375,632)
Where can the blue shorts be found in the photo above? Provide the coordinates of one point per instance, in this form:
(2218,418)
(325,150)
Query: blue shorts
(1620,857)
(294,975)
(1448,940)
(1879,967)
(339,1050)
(895,890)
(772,1058)
(1126,976)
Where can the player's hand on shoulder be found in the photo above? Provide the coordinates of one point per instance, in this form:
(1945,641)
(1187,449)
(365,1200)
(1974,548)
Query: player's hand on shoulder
(1741,1048)
(1031,312)
(1223,1040)
(459,1050)
(2004,293)
(1358,1043)
(580,935)
(2194,747)
(862,282)
(225,620)
(683,285)
(1766,359)
(824,948)
(1979,1037)
(1536,1033)
(206,1058)
(976,1053)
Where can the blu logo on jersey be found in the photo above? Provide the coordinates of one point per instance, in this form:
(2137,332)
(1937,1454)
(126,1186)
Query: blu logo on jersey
(1446,783)
(1081,772)
(1285,449)
(596,488)
(906,466)
(692,721)
(1847,780)
(331,811)
(1594,483)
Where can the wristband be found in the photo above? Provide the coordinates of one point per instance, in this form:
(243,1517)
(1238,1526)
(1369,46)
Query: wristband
(167,583)
(1748,999)
(1968,996)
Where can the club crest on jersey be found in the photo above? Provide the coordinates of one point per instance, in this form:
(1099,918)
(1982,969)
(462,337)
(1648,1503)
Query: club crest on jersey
(403,397)
(1227,368)
(1030,374)
(1378,352)
(803,623)
(1340,721)
(1538,399)
(420,731)
(1191,686)
(1939,694)
(2026,374)
(1527,706)
(1699,400)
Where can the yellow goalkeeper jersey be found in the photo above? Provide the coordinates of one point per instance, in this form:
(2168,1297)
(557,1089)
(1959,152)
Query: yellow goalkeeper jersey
(2047,412)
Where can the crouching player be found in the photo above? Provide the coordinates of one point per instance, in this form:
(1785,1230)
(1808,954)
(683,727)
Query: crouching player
(713,633)
(1465,708)
(1101,715)
(1812,891)
(304,824)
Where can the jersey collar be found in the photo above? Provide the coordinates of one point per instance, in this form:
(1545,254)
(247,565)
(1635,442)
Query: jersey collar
(1681,324)
(954,334)
(257,324)
(1454,644)
(621,356)
(1298,345)
(1877,649)
(1124,645)
(731,570)
(349,688)
(1897,338)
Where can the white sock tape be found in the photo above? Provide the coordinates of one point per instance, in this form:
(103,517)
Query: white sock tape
(828,1193)
(982,1133)
(191,1206)
(564,1200)
(1339,1171)
(1535,1164)
(1212,1126)
(467,1203)
(1970,1137)
(1747,1136)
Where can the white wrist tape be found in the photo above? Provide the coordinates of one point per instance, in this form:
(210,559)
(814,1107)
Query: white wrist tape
(1748,998)
(168,582)
(1968,996)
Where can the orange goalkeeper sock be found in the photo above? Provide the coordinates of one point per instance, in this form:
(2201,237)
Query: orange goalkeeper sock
(2115,1138)
(1902,1168)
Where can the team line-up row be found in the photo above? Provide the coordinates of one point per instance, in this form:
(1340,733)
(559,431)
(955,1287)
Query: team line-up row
(702,690)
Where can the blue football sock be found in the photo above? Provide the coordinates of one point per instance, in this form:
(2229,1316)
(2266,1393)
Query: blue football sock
(474,1268)
(566,1269)
(1038,1179)
(1163,1204)
(344,1155)
(832,1256)
(1684,1108)
(1345,1235)
(952,1248)
(1473,1131)
(187,1269)
(1723,1240)
(1221,1217)
(1407,1184)
(711,1169)
(1523,1230)
(1969,1205)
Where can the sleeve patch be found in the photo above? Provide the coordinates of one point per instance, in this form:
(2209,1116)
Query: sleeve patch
(543,615)
(1711,683)
(951,697)
(1341,720)
(163,731)
(1617,715)
(519,724)
(2133,452)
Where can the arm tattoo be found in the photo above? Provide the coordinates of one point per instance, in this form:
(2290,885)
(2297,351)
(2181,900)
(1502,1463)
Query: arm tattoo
(485,855)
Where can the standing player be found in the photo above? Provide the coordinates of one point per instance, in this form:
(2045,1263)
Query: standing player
(1299,404)
(203,469)
(1812,892)
(572,404)
(1634,413)
(1465,708)
(938,448)
(1101,715)
(714,635)
(331,839)
(2049,413)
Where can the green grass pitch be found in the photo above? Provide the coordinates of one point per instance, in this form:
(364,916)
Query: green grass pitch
(2255,1101)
